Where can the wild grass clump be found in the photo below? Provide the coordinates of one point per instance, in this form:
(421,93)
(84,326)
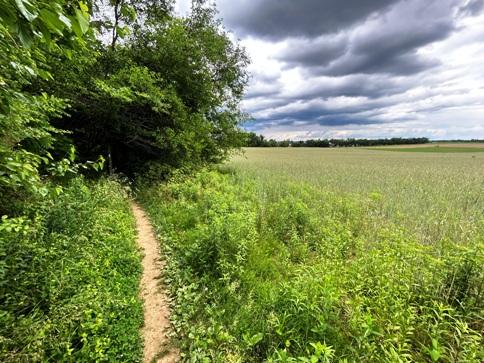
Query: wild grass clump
(274,270)
(69,274)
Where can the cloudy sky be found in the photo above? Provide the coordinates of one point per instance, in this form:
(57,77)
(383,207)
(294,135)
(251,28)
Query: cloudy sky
(362,68)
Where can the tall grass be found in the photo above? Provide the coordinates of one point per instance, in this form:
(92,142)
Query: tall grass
(434,196)
(296,255)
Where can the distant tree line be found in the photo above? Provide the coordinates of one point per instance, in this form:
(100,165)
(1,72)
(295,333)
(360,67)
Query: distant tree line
(254,140)
(459,140)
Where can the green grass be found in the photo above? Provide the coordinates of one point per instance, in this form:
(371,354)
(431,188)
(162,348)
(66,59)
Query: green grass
(433,149)
(433,195)
(290,255)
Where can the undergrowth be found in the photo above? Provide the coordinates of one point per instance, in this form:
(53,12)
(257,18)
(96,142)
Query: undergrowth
(277,271)
(69,274)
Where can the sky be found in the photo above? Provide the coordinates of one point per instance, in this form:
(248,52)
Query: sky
(361,68)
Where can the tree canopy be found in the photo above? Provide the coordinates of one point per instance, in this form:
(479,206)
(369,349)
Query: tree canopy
(254,140)
(156,91)
(125,79)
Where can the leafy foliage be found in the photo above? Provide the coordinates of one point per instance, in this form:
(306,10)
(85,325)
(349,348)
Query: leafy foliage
(263,269)
(164,94)
(25,130)
(69,274)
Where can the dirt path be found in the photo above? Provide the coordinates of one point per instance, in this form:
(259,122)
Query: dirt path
(157,312)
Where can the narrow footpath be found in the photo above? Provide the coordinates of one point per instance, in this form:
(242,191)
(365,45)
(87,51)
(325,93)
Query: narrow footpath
(157,324)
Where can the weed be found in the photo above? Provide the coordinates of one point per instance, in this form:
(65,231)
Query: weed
(69,278)
(339,258)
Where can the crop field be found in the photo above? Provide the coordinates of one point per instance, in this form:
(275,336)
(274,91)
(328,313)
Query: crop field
(441,148)
(432,195)
(326,255)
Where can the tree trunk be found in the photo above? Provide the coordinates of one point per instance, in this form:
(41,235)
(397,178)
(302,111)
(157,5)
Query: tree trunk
(110,160)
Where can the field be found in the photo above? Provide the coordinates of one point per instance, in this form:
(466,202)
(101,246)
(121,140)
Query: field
(456,145)
(450,147)
(326,255)
(413,189)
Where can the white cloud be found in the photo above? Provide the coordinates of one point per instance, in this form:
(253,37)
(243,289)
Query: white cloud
(412,69)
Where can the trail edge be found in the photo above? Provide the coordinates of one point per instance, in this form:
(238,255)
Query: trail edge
(157,346)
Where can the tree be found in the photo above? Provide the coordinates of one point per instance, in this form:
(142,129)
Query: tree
(162,93)
(27,29)
(254,140)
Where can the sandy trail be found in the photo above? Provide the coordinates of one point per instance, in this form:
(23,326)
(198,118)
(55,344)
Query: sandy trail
(157,324)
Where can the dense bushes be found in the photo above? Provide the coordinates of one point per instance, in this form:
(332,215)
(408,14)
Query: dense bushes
(268,270)
(69,274)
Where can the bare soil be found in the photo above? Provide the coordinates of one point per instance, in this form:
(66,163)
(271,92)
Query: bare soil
(156,315)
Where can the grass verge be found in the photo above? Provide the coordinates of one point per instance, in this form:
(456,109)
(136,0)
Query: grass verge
(69,275)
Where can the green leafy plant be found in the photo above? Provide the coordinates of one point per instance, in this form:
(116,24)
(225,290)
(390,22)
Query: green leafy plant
(69,277)
(285,271)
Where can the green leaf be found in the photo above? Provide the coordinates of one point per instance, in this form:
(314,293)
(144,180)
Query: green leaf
(124,10)
(75,26)
(133,13)
(7,16)
(46,34)
(128,11)
(84,8)
(68,54)
(44,74)
(120,31)
(30,71)
(83,20)
(65,20)
(52,21)
(72,154)
(26,9)
(254,339)
(25,34)
(435,354)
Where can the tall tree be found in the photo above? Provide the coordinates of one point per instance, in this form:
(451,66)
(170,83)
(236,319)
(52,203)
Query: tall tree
(160,93)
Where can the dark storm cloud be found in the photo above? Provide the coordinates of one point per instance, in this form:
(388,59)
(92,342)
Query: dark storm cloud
(315,118)
(356,85)
(324,113)
(387,44)
(342,119)
(279,19)
(388,63)
(314,52)
(334,64)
